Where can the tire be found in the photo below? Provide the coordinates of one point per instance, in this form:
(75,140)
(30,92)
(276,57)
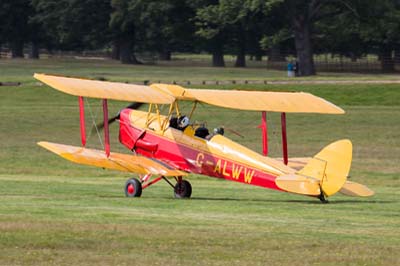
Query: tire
(183,190)
(133,188)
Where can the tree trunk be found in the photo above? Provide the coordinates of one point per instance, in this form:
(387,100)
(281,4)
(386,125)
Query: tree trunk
(218,59)
(216,46)
(240,59)
(125,52)
(126,55)
(258,57)
(302,36)
(17,49)
(135,61)
(241,53)
(353,57)
(217,53)
(115,50)
(164,55)
(397,56)
(387,60)
(34,52)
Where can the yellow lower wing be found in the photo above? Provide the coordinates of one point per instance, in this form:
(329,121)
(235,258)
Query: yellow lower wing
(116,161)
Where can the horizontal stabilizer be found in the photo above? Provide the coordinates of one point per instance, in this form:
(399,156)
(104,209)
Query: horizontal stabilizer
(299,184)
(116,161)
(356,190)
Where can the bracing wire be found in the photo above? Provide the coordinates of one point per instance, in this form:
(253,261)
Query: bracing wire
(94,117)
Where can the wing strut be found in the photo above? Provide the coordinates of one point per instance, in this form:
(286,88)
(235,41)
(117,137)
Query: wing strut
(264,129)
(106,130)
(82,120)
(284,138)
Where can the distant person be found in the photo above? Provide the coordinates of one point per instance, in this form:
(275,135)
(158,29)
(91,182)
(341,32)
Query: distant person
(290,69)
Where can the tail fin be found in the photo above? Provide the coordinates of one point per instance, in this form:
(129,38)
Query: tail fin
(324,174)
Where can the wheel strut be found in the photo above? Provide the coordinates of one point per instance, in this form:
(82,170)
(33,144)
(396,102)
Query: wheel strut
(322,198)
(152,182)
(166,180)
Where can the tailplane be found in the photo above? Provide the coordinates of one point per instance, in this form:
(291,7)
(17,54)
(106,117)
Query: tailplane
(324,175)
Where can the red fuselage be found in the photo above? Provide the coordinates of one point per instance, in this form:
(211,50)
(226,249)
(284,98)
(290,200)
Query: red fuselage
(219,157)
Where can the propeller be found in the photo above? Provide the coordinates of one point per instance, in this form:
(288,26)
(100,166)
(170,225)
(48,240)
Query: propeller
(100,126)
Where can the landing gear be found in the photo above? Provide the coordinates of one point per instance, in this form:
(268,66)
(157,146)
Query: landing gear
(133,188)
(322,198)
(183,189)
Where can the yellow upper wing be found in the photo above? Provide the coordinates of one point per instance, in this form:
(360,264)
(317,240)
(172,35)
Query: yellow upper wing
(290,102)
(106,90)
(116,161)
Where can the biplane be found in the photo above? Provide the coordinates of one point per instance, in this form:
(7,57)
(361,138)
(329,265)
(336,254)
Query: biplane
(165,146)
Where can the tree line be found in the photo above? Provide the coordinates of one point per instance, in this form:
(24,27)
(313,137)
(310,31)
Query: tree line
(351,28)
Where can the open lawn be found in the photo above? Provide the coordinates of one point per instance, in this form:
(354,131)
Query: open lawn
(53,212)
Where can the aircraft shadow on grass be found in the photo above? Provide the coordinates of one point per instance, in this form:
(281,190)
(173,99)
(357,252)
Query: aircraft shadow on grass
(305,201)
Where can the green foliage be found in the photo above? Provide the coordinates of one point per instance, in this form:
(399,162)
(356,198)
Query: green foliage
(268,42)
(238,25)
(381,24)
(14,16)
(150,26)
(227,16)
(241,27)
(73,24)
(123,16)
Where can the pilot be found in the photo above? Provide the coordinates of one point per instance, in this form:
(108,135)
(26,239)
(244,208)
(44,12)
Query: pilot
(219,130)
(202,132)
(183,122)
(216,131)
(173,122)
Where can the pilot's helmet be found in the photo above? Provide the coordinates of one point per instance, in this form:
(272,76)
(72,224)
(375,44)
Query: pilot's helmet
(183,121)
(219,130)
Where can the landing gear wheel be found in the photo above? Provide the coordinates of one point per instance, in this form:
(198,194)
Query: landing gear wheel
(133,188)
(183,189)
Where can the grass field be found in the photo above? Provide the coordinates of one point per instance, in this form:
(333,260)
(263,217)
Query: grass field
(53,212)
